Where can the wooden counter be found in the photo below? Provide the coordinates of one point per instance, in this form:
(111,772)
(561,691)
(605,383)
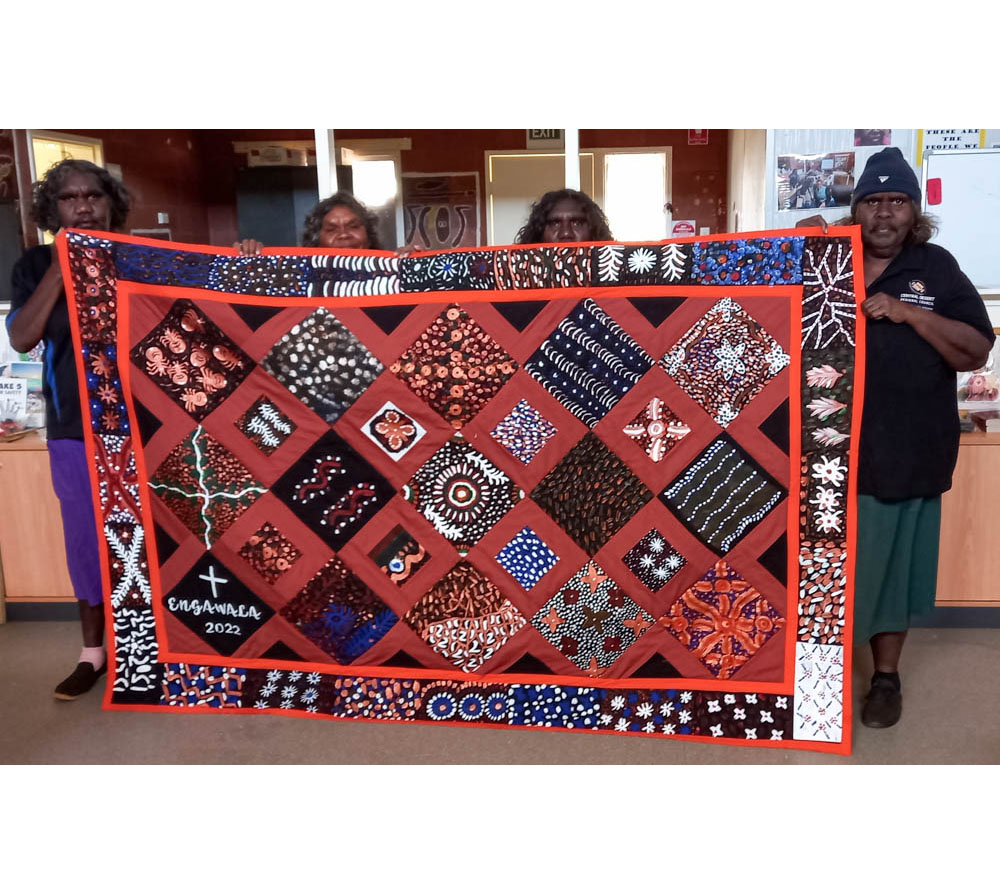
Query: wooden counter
(969,568)
(32,552)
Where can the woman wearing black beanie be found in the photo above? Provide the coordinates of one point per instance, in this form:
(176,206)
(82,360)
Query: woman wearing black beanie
(925,321)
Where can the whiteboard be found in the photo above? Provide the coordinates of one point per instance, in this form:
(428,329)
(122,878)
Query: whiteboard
(968,214)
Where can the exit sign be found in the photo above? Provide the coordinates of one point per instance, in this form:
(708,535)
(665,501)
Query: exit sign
(542,139)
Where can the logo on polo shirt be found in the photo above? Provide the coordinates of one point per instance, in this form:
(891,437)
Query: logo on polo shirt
(918,286)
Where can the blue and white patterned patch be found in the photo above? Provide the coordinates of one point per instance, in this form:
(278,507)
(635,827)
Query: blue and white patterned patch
(524,431)
(551,706)
(527,558)
(741,261)
(589,362)
(146,264)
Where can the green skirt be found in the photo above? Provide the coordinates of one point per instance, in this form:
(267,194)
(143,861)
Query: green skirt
(896,574)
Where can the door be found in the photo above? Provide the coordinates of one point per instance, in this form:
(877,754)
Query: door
(516,179)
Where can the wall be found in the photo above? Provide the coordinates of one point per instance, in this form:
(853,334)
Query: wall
(699,172)
(163,171)
(191,174)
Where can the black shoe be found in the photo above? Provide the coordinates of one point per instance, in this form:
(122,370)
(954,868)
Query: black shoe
(883,704)
(80,681)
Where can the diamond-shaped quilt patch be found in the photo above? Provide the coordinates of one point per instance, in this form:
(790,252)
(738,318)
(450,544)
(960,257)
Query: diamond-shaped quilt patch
(527,558)
(591,620)
(323,364)
(657,429)
(393,430)
(455,366)
(465,618)
(653,561)
(589,362)
(524,431)
(724,360)
(722,620)
(461,493)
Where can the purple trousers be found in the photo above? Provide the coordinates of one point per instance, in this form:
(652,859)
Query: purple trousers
(71,481)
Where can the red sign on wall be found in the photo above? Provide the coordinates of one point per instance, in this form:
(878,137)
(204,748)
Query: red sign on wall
(697,138)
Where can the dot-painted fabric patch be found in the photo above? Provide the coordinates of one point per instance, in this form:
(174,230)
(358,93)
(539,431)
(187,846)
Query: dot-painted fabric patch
(538,268)
(148,264)
(338,612)
(399,555)
(377,698)
(393,430)
(468,702)
(465,618)
(192,360)
(547,705)
(588,362)
(524,431)
(740,261)
(447,271)
(269,553)
(657,429)
(822,592)
(722,495)
(205,486)
(323,364)
(455,366)
(591,620)
(591,493)
(527,558)
(333,489)
(724,360)
(653,561)
(461,493)
(260,274)
(722,620)
(265,425)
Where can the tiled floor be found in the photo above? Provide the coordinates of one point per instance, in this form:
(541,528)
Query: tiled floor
(951,697)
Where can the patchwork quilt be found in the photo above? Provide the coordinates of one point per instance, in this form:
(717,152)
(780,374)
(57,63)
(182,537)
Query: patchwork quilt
(606,488)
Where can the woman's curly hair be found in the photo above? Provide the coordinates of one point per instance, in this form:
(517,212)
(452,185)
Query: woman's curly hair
(45,193)
(924,225)
(534,228)
(314,220)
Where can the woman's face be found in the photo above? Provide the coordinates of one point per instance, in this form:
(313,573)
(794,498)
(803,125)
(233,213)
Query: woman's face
(82,202)
(342,229)
(885,219)
(566,222)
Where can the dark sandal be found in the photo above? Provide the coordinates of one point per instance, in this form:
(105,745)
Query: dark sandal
(80,681)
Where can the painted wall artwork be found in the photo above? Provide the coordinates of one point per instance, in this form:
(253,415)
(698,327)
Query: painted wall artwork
(441,211)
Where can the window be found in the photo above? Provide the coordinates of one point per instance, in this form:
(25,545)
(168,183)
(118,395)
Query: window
(635,189)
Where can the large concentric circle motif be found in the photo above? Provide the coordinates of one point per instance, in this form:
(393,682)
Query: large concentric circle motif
(461,492)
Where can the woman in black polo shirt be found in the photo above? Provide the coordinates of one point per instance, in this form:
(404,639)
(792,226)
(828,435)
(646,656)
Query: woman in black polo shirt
(72,193)
(925,321)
